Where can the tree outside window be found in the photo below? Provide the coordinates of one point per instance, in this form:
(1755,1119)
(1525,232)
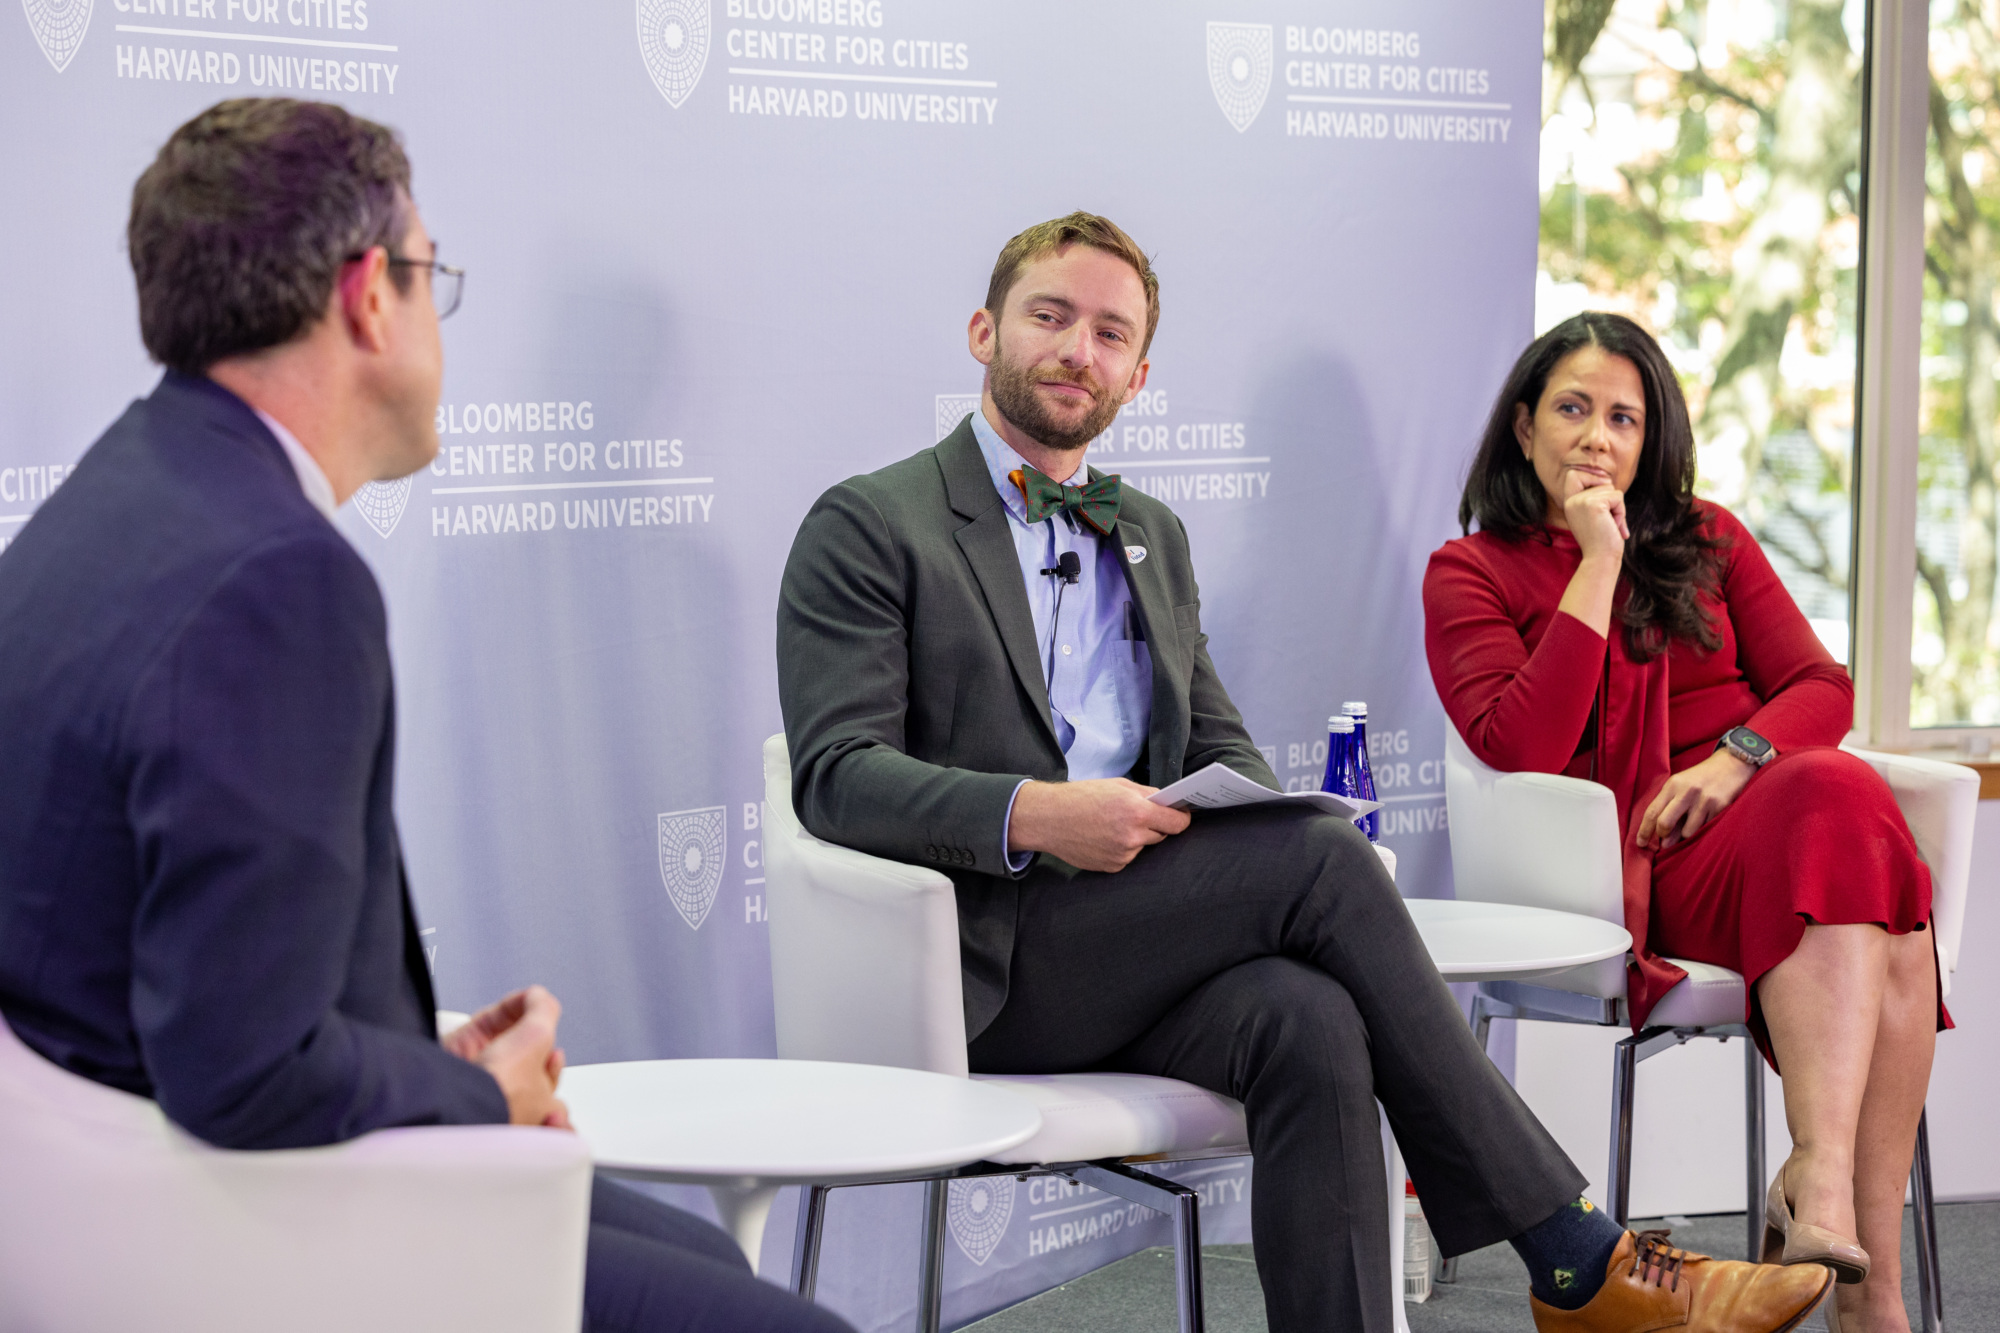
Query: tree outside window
(1955,651)
(1701,173)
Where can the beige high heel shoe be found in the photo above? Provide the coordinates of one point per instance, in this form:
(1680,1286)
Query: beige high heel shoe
(1790,1241)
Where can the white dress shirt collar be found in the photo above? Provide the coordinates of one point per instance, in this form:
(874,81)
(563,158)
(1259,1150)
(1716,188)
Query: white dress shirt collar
(1001,459)
(312,480)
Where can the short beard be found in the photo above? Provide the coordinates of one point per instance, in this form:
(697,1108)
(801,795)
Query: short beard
(1013,389)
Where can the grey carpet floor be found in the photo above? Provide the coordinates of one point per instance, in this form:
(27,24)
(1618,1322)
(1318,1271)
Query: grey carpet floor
(1490,1295)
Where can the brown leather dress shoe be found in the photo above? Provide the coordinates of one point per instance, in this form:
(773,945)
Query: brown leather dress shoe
(1651,1285)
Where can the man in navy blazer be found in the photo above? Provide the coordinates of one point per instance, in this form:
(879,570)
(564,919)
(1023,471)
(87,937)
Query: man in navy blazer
(202,898)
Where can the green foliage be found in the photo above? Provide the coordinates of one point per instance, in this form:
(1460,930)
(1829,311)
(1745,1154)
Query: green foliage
(1957,659)
(1681,214)
(1710,185)
(1709,188)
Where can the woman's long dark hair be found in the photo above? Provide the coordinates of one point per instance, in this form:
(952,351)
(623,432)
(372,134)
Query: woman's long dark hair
(1669,559)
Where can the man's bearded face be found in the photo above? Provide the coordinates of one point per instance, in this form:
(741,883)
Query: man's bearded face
(1053,419)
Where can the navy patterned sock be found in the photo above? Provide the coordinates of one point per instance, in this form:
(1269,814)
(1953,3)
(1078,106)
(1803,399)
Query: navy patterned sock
(1567,1254)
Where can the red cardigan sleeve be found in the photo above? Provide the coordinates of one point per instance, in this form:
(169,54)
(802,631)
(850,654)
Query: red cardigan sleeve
(1808,697)
(1519,711)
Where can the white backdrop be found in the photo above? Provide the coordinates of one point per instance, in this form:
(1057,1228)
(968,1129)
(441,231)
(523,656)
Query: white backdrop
(721,255)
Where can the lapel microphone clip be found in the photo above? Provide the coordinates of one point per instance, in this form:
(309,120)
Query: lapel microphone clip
(1068,567)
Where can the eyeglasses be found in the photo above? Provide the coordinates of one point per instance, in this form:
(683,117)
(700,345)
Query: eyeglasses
(447,283)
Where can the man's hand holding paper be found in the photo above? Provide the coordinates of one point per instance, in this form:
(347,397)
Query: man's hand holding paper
(1099,824)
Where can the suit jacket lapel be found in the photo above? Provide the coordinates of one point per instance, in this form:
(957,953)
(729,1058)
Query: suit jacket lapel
(989,549)
(1156,612)
(414,963)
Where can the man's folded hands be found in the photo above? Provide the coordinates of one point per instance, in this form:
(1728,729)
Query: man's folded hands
(514,1040)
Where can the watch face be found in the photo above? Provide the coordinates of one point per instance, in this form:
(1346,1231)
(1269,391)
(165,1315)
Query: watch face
(1749,742)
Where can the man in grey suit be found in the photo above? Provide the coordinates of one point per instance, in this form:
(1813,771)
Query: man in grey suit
(981,650)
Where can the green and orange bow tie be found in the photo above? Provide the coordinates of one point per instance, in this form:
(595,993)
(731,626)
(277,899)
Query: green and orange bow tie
(1096,504)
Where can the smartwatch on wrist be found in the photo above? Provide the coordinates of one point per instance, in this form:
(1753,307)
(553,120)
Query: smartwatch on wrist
(1748,746)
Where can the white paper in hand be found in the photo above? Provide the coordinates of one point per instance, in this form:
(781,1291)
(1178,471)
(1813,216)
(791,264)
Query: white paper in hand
(1218,787)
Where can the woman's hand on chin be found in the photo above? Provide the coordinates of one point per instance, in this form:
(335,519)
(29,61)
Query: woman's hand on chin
(1692,798)
(1594,511)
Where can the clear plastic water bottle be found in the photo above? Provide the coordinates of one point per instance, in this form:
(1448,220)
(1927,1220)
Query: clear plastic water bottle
(1416,1247)
(1364,777)
(1339,777)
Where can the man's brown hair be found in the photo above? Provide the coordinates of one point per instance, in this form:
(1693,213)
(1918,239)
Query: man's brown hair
(1045,238)
(240,226)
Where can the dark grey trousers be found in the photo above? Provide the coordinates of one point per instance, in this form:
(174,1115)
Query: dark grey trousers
(1266,954)
(652,1268)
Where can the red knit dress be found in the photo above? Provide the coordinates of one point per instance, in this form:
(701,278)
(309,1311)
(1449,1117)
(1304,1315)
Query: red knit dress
(1815,836)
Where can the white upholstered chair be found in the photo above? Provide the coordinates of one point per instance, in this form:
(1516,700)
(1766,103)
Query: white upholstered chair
(116,1220)
(864,968)
(1543,840)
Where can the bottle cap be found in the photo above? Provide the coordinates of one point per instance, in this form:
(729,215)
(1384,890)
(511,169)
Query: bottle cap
(1340,723)
(1355,709)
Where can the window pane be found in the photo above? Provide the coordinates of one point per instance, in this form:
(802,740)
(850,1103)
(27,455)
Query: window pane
(1701,173)
(1956,680)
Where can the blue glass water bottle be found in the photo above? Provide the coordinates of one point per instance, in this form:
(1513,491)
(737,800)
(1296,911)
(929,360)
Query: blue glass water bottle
(1339,777)
(1371,823)
(1339,737)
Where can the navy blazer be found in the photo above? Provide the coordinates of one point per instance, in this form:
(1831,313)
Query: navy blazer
(201,894)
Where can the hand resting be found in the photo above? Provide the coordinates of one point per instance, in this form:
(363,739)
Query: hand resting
(514,1040)
(1098,824)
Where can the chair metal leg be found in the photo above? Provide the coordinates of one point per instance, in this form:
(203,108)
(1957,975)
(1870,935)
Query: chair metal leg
(1180,1203)
(1482,1020)
(1930,1273)
(1754,1176)
(930,1285)
(1624,1075)
(805,1243)
(1625,1058)
(1187,1262)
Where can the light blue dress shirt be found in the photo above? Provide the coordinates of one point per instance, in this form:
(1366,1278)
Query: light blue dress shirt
(1095,663)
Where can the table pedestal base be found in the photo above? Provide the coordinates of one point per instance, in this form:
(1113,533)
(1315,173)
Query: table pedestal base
(745,1207)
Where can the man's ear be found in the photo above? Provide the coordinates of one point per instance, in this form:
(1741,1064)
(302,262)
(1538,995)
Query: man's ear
(1524,430)
(1137,382)
(363,292)
(982,337)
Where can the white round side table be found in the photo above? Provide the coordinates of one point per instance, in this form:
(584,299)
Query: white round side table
(1501,942)
(744,1128)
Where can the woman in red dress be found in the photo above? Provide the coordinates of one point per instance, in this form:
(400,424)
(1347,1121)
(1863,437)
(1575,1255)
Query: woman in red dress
(1606,624)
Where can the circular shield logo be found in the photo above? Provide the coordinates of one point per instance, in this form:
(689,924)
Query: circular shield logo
(59,25)
(382,502)
(951,409)
(1239,69)
(691,852)
(673,37)
(978,1212)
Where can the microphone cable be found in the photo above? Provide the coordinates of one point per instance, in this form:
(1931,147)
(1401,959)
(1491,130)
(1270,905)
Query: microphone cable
(1067,569)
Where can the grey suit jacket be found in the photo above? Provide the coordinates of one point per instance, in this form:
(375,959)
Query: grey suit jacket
(912,689)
